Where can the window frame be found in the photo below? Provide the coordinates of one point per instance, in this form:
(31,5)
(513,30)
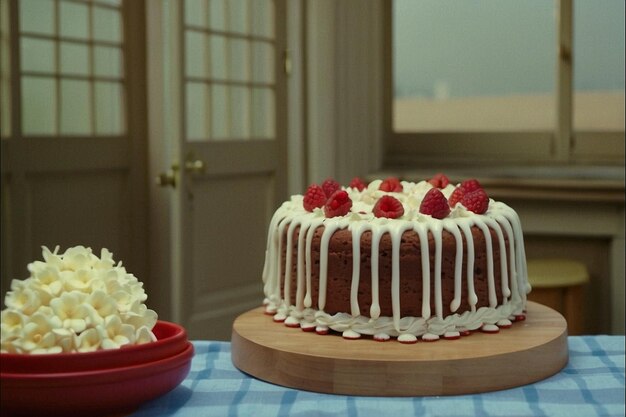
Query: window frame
(560,145)
(210,81)
(129,46)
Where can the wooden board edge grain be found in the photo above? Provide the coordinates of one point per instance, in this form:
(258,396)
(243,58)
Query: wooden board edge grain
(508,370)
(279,367)
(287,357)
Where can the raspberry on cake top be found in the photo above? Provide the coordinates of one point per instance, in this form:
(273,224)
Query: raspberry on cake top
(296,268)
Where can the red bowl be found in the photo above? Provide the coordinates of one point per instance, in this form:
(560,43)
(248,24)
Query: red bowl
(102,392)
(171,339)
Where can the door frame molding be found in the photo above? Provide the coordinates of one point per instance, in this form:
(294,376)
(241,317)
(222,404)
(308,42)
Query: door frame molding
(160,156)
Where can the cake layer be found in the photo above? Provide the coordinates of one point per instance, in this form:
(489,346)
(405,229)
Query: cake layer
(340,271)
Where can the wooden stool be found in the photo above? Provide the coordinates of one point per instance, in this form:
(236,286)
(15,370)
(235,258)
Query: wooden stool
(558,283)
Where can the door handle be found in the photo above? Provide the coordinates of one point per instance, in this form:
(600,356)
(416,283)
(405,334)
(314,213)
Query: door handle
(195,167)
(168,178)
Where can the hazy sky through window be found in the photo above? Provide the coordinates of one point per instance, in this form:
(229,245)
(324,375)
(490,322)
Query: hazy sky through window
(459,48)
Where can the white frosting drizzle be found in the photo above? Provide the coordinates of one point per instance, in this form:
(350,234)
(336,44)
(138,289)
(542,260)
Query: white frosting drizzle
(329,229)
(290,230)
(491,284)
(309,240)
(458,267)
(395,273)
(499,218)
(437,231)
(425,272)
(469,243)
(301,278)
(504,275)
(356,262)
(375,307)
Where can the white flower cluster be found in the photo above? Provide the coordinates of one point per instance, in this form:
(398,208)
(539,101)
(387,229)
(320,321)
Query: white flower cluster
(75,302)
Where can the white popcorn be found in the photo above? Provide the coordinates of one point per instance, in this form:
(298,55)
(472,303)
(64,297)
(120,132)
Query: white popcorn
(75,302)
(47,279)
(144,335)
(12,323)
(116,334)
(37,335)
(27,301)
(103,304)
(69,308)
(88,341)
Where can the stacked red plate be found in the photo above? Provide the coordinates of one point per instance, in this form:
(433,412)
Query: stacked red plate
(100,383)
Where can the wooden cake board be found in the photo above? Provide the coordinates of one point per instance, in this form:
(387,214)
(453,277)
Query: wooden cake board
(529,351)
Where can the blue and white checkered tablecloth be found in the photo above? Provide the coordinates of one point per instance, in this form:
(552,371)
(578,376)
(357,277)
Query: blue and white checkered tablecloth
(592,384)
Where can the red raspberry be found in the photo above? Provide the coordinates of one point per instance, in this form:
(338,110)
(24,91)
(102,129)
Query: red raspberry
(389,207)
(357,183)
(435,204)
(470,185)
(476,201)
(456,196)
(314,197)
(338,204)
(439,181)
(330,186)
(391,184)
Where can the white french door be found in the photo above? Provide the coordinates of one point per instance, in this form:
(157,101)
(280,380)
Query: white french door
(73,130)
(219,134)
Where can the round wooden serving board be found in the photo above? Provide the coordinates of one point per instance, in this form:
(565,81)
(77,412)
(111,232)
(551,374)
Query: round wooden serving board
(529,351)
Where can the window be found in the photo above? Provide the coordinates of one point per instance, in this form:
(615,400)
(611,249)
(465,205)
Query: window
(599,66)
(230,53)
(69,78)
(493,81)
(460,67)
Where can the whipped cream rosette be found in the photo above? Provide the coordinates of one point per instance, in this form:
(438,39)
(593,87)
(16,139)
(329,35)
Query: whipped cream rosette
(75,302)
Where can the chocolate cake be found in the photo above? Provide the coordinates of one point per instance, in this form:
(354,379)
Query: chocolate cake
(396,259)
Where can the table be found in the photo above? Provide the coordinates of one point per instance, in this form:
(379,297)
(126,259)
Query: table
(592,384)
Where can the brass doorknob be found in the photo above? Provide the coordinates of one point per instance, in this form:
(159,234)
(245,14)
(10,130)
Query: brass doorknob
(167,179)
(195,167)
